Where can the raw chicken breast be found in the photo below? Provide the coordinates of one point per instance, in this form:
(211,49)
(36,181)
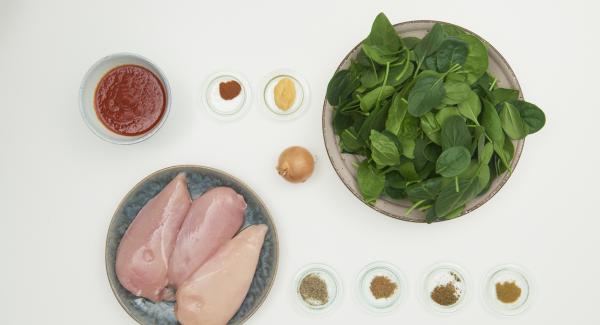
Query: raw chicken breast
(213,220)
(214,293)
(144,252)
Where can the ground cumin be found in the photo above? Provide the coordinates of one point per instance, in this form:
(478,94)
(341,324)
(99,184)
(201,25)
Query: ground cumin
(445,295)
(382,287)
(508,292)
(314,290)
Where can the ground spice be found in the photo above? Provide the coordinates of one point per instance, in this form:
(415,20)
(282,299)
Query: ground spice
(314,290)
(445,295)
(382,287)
(285,93)
(507,292)
(230,89)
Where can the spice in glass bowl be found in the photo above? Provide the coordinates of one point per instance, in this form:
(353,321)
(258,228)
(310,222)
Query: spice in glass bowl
(313,290)
(445,287)
(508,292)
(285,93)
(229,89)
(226,95)
(445,295)
(382,287)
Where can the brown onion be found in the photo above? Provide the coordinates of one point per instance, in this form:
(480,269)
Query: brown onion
(296,164)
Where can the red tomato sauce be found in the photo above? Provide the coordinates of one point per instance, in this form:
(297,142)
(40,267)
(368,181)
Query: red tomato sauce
(130,100)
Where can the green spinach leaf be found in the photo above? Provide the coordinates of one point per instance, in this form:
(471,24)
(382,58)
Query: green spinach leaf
(431,127)
(445,113)
(511,120)
(410,42)
(397,112)
(409,128)
(431,42)
(349,141)
(452,51)
(370,182)
(379,54)
(453,161)
(476,63)
(456,92)
(368,101)
(426,94)
(341,86)
(471,107)
(492,124)
(383,35)
(504,95)
(455,133)
(385,152)
(426,190)
(533,117)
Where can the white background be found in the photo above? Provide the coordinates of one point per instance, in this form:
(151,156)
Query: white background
(60,183)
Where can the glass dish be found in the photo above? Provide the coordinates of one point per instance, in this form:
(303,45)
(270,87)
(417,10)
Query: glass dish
(301,100)
(507,273)
(442,274)
(381,305)
(331,279)
(226,109)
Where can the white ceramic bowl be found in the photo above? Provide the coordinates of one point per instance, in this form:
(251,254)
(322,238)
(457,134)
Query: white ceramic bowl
(87,91)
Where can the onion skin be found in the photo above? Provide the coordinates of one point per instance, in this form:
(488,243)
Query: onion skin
(296,164)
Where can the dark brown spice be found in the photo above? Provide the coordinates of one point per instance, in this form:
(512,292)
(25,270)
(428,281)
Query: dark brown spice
(314,290)
(230,89)
(507,292)
(455,276)
(445,295)
(382,287)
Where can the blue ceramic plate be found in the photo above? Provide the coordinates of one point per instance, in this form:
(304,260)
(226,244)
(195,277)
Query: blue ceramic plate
(200,179)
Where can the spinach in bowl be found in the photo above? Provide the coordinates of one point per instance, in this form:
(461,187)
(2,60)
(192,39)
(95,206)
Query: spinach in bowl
(430,122)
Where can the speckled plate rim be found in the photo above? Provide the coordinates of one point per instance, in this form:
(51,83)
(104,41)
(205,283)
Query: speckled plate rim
(491,193)
(137,186)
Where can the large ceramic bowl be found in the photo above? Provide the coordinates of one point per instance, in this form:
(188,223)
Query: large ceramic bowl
(200,179)
(344,163)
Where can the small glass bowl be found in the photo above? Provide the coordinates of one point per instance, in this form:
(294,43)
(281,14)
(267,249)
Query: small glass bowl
(363,290)
(331,279)
(441,274)
(507,273)
(87,91)
(226,109)
(302,95)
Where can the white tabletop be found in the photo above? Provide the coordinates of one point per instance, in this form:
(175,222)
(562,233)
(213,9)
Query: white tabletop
(60,184)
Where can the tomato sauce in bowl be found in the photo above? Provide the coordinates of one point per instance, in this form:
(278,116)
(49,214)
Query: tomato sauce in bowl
(130,100)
